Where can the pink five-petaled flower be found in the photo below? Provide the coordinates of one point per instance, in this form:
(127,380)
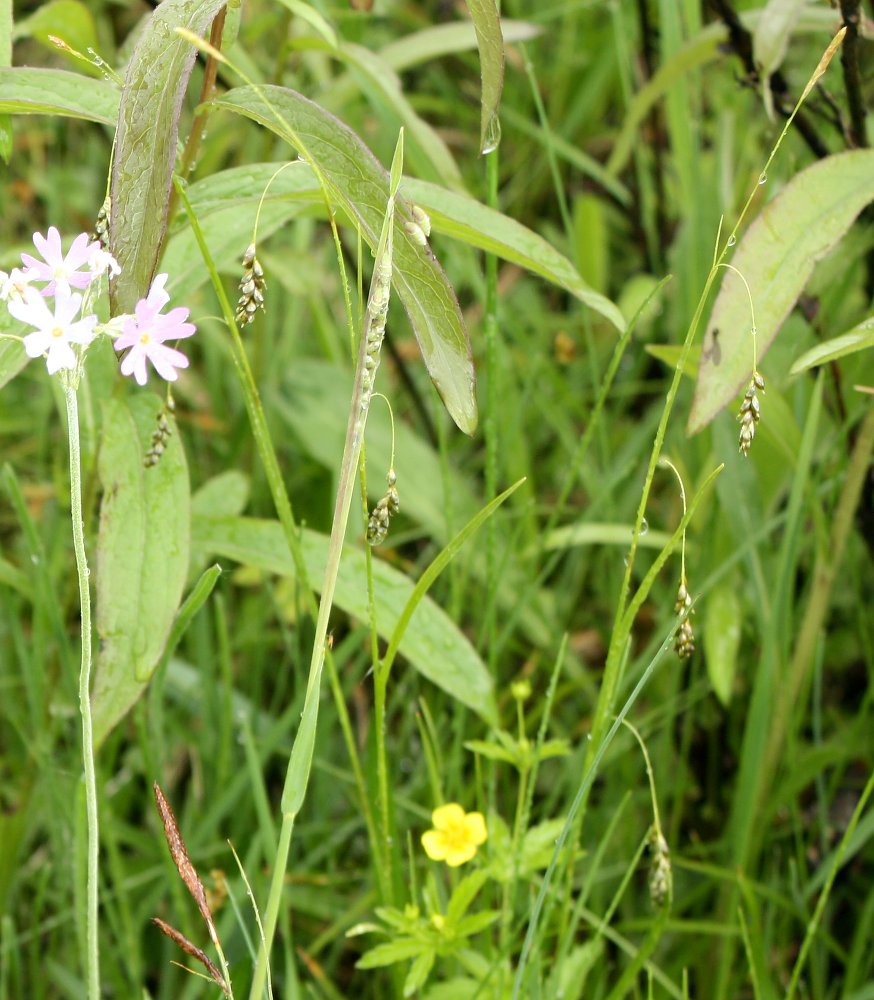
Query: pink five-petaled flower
(147,330)
(55,331)
(456,835)
(61,272)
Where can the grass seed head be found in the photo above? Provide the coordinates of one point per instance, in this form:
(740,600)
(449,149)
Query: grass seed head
(252,286)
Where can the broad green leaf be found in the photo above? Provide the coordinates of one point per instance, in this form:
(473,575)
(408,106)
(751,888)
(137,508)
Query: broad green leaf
(69,20)
(360,184)
(372,76)
(490,42)
(571,974)
(25,91)
(6,140)
(148,124)
(222,496)
(433,644)
(452,214)
(722,621)
(142,553)
(859,338)
(448,39)
(12,354)
(776,256)
(469,220)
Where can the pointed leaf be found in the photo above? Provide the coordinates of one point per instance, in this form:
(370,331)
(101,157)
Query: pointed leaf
(433,643)
(25,91)
(466,219)
(776,256)
(490,43)
(142,553)
(360,184)
(148,125)
(859,338)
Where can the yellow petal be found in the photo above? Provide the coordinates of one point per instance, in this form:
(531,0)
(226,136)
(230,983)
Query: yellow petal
(459,854)
(435,845)
(447,816)
(475,828)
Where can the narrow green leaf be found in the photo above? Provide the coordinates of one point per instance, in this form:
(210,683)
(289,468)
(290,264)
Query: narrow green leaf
(142,554)
(490,43)
(148,125)
(419,972)
(25,91)
(776,256)
(722,620)
(433,643)
(859,338)
(436,567)
(360,184)
(393,951)
(5,60)
(464,894)
(448,39)
(491,751)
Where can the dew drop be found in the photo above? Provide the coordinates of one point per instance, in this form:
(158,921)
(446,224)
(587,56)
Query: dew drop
(763,178)
(732,240)
(644,527)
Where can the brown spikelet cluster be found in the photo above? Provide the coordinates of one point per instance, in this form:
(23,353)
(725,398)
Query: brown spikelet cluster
(660,873)
(252,286)
(101,226)
(684,640)
(750,412)
(188,874)
(161,435)
(381,515)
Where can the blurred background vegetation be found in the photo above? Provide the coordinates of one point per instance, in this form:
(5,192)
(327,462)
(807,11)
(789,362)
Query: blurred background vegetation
(629,129)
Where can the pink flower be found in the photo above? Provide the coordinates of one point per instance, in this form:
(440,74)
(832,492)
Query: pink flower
(61,272)
(145,334)
(55,331)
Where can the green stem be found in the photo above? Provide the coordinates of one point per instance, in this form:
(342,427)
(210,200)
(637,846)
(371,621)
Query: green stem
(490,427)
(93,949)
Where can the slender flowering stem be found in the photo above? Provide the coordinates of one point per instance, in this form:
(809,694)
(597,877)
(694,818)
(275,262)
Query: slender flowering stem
(93,957)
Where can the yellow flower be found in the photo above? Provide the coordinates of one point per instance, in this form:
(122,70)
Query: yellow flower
(456,835)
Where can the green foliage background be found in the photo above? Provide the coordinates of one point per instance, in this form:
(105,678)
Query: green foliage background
(629,130)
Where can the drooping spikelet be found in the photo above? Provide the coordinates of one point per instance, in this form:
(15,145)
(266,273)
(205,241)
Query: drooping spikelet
(684,640)
(750,412)
(660,873)
(252,286)
(101,225)
(386,507)
(161,435)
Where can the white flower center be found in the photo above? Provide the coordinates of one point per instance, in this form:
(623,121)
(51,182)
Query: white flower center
(60,272)
(58,331)
(145,337)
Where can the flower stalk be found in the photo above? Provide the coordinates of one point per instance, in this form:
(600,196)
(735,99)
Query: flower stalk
(70,380)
